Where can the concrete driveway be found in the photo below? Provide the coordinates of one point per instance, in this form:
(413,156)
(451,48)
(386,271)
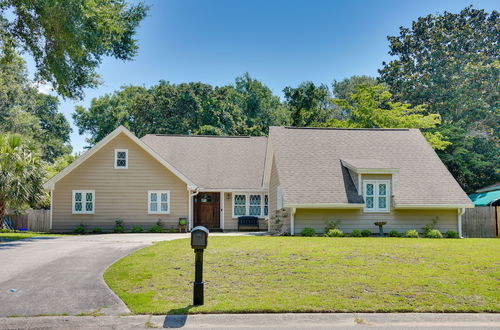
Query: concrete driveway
(64,275)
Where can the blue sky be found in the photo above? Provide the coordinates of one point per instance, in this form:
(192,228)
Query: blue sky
(281,43)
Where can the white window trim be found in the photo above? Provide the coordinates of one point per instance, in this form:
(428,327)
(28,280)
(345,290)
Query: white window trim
(126,159)
(83,192)
(158,209)
(247,204)
(279,198)
(376,195)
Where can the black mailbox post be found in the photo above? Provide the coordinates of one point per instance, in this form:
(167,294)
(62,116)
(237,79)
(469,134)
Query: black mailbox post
(199,241)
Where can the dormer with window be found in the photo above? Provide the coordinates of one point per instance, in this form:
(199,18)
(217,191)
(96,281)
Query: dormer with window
(121,158)
(374,180)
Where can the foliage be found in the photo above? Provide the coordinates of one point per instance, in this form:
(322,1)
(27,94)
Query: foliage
(450,62)
(431,226)
(248,108)
(21,173)
(80,229)
(368,275)
(451,234)
(32,114)
(412,233)
(366,233)
(68,39)
(156,229)
(277,222)
(332,224)
(373,106)
(310,232)
(97,230)
(308,103)
(356,233)
(394,233)
(137,229)
(334,233)
(434,233)
(119,226)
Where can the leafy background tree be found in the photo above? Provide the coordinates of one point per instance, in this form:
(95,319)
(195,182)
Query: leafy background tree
(450,63)
(68,39)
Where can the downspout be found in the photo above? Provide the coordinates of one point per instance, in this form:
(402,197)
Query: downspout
(459,220)
(190,205)
(51,207)
(292,221)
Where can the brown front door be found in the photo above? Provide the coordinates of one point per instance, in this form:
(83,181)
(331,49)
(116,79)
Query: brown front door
(206,209)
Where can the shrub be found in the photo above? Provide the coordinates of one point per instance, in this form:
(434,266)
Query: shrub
(431,226)
(156,229)
(119,226)
(451,234)
(334,233)
(97,230)
(394,233)
(332,224)
(356,233)
(137,229)
(80,229)
(366,233)
(5,230)
(412,233)
(434,234)
(309,232)
(172,230)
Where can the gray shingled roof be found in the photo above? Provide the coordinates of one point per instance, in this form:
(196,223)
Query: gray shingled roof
(310,170)
(214,162)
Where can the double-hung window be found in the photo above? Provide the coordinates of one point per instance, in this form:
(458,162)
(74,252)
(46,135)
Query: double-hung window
(250,204)
(377,195)
(158,202)
(121,158)
(83,201)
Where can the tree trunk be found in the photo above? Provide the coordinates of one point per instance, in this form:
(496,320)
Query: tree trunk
(2,211)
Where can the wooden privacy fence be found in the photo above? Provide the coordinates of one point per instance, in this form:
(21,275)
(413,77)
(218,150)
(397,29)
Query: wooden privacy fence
(480,221)
(34,220)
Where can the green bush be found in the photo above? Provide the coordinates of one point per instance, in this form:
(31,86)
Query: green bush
(309,232)
(431,226)
(434,233)
(356,233)
(412,233)
(334,233)
(156,229)
(451,234)
(137,229)
(97,230)
(5,230)
(119,226)
(80,229)
(332,224)
(366,233)
(394,233)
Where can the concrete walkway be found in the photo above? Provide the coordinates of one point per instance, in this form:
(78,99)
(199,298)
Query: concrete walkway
(260,321)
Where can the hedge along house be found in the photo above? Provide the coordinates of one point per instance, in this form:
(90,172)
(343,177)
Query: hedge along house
(359,176)
(313,175)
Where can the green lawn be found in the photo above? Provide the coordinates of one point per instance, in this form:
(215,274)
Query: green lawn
(299,274)
(21,235)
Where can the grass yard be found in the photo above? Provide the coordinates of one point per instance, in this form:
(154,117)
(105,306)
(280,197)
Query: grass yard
(6,237)
(300,274)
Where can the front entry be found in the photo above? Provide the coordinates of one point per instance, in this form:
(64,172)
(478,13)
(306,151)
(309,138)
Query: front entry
(206,210)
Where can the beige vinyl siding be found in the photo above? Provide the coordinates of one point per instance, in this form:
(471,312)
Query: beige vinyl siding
(400,220)
(119,193)
(231,223)
(274,183)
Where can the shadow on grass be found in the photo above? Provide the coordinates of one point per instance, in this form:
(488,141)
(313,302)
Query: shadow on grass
(176,318)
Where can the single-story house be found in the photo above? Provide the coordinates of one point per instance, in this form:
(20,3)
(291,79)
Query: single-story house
(303,176)
(487,196)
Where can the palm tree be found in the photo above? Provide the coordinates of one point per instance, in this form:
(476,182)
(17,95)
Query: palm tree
(21,173)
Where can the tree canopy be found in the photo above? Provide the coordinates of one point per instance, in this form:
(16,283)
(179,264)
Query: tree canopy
(450,63)
(68,39)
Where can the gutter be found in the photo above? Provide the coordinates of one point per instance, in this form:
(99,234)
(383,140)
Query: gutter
(459,221)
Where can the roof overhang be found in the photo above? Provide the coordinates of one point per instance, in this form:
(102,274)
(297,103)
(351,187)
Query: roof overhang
(50,184)
(369,170)
(432,206)
(328,206)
